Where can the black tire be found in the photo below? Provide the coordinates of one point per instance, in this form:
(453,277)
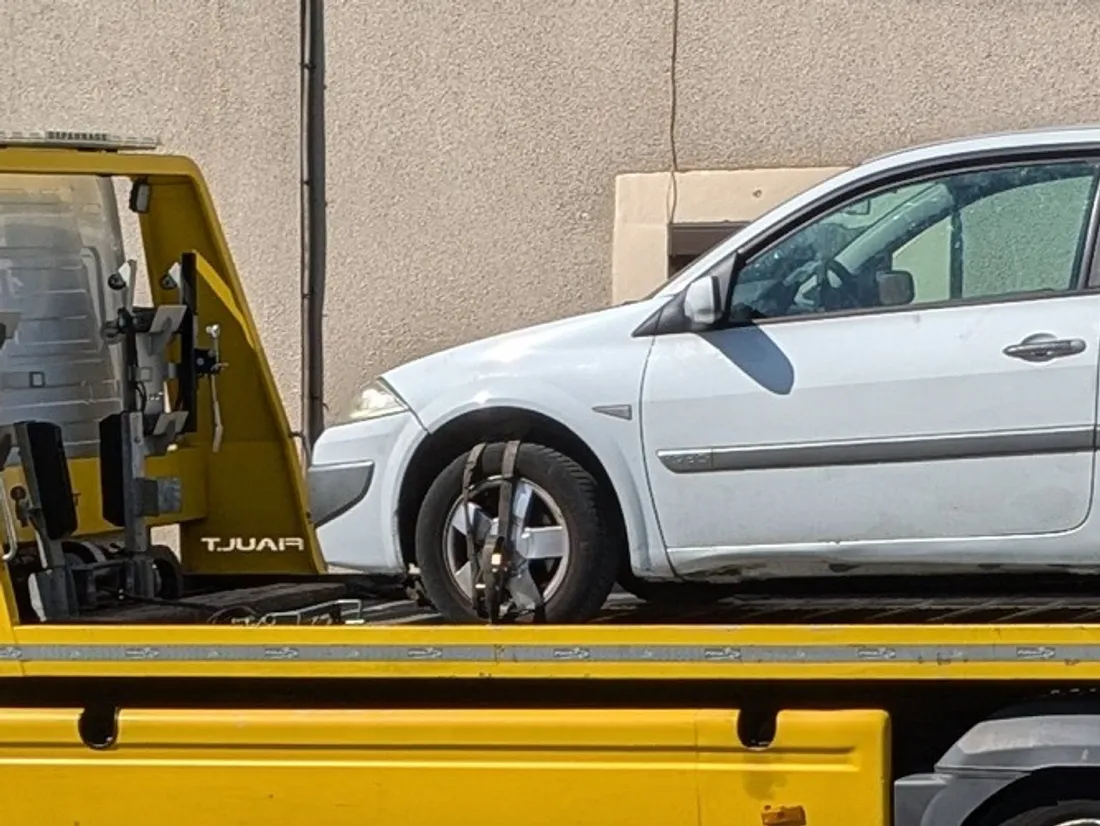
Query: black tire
(594,556)
(1055,814)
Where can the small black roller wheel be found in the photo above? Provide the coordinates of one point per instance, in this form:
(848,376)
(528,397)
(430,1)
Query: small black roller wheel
(560,532)
(169,572)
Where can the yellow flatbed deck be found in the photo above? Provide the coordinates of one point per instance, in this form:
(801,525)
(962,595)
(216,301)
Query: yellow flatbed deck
(844,638)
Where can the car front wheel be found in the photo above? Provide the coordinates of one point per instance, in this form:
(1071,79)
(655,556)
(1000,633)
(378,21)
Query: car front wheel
(562,546)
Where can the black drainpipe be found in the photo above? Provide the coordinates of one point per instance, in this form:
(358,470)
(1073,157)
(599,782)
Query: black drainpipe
(313,228)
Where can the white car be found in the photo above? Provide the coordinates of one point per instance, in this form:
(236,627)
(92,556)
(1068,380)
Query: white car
(894,372)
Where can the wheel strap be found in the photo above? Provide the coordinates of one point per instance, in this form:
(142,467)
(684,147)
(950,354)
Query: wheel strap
(500,558)
(473,557)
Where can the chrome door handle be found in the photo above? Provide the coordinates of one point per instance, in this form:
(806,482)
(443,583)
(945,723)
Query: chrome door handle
(1044,347)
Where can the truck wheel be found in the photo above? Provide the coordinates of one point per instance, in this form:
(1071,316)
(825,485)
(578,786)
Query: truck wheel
(1062,813)
(559,529)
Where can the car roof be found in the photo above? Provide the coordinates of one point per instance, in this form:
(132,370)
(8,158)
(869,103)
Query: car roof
(1039,137)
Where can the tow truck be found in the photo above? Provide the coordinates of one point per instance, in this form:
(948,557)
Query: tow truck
(235,680)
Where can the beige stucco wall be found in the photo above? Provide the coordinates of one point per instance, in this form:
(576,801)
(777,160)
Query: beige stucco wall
(474,147)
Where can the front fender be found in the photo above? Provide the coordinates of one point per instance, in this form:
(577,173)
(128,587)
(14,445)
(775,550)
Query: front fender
(614,441)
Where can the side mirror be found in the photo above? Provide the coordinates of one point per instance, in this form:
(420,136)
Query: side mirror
(895,288)
(703,301)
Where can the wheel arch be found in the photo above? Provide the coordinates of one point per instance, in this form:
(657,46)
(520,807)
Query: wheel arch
(499,423)
(1043,786)
(1006,765)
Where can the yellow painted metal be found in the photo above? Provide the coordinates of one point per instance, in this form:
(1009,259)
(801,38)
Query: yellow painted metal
(188,464)
(255,486)
(252,486)
(834,765)
(599,767)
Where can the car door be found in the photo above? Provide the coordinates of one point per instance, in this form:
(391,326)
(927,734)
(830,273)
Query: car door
(911,373)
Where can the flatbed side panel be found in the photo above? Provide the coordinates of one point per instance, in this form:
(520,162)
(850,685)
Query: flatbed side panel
(598,767)
(937,652)
(834,765)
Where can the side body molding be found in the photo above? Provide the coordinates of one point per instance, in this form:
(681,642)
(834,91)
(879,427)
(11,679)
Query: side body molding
(879,451)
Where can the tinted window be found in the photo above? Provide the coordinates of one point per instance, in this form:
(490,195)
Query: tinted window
(990,234)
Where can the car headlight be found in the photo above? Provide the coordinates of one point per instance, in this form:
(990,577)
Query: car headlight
(375,400)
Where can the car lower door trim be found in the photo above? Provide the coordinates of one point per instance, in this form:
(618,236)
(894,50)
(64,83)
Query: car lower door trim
(879,451)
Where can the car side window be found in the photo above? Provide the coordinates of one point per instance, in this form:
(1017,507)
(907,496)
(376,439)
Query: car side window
(986,234)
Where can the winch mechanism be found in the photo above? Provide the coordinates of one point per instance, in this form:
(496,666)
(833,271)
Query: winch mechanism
(68,577)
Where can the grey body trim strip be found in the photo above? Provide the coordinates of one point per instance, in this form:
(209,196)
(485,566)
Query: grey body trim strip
(503,654)
(879,451)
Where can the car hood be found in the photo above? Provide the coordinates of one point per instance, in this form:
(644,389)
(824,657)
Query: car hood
(564,350)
